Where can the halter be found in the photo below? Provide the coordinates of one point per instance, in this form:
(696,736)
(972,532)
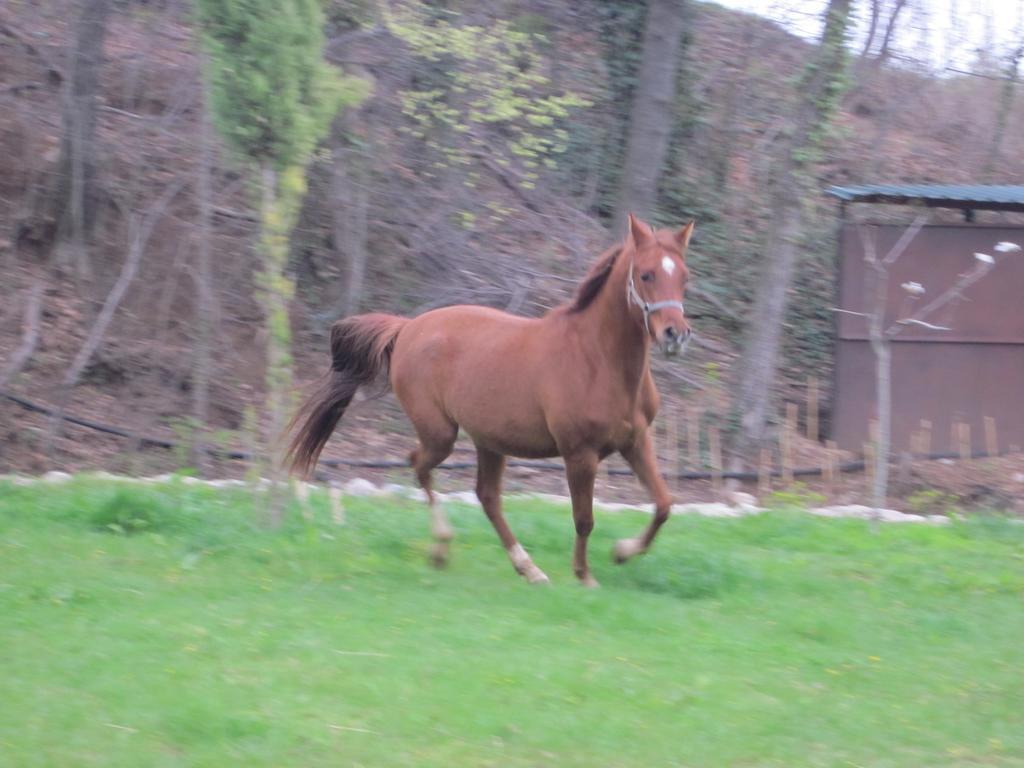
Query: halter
(633,297)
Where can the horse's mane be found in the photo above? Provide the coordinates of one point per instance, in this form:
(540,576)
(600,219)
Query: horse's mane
(594,281)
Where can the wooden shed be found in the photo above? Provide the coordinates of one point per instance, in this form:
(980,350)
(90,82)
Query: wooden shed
(962,375)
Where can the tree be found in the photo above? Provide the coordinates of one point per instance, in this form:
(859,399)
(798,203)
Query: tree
(73,199)
(820,88)
(1006,94)
(650,121)
(881,337)
(273,98)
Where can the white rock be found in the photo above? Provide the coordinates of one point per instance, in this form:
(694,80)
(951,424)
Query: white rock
(710,509)
(359,486)
(868,513)
(53,476)
(462,497)
(226,483)
(741,499)
(613,506)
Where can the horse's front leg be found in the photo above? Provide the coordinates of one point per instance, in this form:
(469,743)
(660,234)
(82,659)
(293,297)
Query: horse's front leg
(581,469)
(641,458)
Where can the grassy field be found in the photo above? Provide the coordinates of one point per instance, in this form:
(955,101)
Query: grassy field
(165,626)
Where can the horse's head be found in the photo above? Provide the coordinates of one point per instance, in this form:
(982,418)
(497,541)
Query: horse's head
(657,281)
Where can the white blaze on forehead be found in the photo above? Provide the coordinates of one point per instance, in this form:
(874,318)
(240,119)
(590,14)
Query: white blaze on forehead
(668,265)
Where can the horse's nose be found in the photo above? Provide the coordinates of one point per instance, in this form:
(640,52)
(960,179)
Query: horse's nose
(671,333)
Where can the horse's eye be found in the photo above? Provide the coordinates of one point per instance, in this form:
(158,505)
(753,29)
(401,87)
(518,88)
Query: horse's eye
(647,277)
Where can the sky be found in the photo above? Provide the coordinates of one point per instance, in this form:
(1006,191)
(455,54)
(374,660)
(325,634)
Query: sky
(939,32)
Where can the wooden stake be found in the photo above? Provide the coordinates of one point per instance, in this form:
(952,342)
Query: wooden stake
(786,443)
(693,438)
(812,409)
(926,437)
(301,493)
(869,470)
(764,473)
(991,439)
(715,449)
(965,440)
(830,466)
(672,440)
(337,507)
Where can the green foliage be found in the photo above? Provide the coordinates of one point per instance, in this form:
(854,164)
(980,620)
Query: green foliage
(621,34)
(481,90)
(809,336)
(931,501)
(273,95)
(133,510)
(796,496)
(779,639)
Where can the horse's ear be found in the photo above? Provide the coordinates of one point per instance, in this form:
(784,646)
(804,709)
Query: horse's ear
(639,231)
(683,236)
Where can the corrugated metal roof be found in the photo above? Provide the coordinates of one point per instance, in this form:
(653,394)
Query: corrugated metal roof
(1003,196)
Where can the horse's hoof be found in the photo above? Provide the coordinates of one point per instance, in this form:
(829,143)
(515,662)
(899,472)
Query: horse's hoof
(439,555)
(589,582)
(536,576)
(625,549)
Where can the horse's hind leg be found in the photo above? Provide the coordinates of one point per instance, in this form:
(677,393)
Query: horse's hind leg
(435,446)
(489,469)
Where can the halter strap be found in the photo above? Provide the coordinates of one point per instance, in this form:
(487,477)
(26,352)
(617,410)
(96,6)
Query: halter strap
(634,297)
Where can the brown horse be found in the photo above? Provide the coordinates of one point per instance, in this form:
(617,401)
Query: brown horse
(574,383)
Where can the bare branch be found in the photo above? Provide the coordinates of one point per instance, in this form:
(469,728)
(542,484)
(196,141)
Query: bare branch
(30,336)
(923,324)
(953,292)
(140,228)
(908,235)
(849,312)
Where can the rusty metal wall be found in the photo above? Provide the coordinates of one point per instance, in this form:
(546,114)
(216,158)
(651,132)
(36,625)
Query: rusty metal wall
(974,370)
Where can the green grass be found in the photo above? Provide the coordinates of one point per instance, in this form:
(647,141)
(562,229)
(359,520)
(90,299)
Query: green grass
(166,626)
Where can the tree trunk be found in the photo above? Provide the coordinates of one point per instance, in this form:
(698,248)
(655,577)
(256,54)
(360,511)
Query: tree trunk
(723,146)
(277,214)
(882,347)
(73,200)
(203,364)
(652,112)
(890,28)
(819,91)
(991,171)
(883,383)
(350,193)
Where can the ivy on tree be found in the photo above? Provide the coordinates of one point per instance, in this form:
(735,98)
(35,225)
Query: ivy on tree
(273,98)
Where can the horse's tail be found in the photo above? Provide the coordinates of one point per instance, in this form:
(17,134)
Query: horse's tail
(361,349)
